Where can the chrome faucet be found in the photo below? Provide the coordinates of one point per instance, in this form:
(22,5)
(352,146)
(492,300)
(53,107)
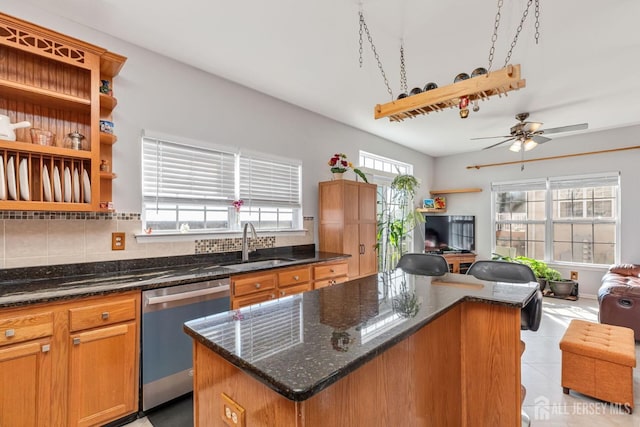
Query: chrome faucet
(245,244)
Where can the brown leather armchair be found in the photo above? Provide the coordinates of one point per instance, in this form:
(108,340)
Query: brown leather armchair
(619,297)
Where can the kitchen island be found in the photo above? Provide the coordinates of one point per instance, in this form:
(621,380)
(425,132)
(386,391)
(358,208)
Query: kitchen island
(380,351)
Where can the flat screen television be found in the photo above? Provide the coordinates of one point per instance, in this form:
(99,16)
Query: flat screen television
(449,233)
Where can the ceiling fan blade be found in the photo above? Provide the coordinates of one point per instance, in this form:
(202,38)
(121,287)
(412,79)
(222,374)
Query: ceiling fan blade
(491,137)
(531,126)
(540,139)
(499,143)
(569,128)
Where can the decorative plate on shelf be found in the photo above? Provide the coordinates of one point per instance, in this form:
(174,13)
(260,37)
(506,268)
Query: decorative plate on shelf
(3,186)
(67,184)
(86,186)
(57,188)
(46,183)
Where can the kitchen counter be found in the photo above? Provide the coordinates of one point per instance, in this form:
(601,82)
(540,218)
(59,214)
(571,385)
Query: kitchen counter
(24,286)
(316,338)
(378,351)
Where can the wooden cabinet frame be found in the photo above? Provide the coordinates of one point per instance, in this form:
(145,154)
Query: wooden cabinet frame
(53,81)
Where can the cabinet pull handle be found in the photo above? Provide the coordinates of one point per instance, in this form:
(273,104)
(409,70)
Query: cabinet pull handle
(296,277)
(332,270)
(76,341)
(257,285)
(46,348)
(9,333)
(105,315)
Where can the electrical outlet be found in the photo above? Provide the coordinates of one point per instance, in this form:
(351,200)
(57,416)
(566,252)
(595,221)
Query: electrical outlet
(117,241)
(231,412)
(574,275)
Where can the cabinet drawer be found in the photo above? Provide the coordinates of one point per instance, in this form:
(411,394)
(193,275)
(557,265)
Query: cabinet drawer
(245,285)
(294,289)
(292,276)
(253,299)
(101,314)
(328,282)
(24,327)
(330,270)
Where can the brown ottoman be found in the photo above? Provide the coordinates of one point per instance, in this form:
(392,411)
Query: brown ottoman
(598,360)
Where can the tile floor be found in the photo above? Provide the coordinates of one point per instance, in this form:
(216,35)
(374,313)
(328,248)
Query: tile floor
(541,367)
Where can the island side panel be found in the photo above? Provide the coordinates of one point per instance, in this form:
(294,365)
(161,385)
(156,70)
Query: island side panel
(415,383)
(490,364)
(213,376)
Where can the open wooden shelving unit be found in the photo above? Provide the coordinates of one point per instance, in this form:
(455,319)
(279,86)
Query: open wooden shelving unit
(452,191)
(498,82)
(53,81)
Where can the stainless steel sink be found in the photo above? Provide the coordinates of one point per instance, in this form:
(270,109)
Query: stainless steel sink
(267,263)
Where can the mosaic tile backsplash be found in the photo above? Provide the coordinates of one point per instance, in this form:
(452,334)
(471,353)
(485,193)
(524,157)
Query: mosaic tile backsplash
(211,246)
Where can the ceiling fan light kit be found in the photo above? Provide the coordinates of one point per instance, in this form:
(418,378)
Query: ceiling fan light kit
(482,87)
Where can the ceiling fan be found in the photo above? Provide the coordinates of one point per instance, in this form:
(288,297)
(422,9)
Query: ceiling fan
(527,135)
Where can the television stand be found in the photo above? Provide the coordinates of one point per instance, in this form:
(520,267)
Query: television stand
(459,262)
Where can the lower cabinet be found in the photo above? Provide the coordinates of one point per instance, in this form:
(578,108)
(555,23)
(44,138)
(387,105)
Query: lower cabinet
(253,288)
(459,263)
(330,273)
(25,384)
(70,364)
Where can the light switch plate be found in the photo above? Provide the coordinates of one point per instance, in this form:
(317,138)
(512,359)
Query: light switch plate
(117,241)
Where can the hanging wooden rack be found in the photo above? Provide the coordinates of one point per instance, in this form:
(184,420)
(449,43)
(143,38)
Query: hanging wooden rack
(482,87)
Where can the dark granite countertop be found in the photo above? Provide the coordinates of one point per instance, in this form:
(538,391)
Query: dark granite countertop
(301,344)
(24,286)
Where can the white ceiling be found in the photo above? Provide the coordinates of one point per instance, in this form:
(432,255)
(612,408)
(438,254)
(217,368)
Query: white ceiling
(305,52)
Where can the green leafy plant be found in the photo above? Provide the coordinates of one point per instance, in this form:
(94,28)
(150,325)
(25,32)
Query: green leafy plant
(396,219)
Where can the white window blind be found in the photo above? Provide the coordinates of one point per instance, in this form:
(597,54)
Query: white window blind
(269,182)
(177,173)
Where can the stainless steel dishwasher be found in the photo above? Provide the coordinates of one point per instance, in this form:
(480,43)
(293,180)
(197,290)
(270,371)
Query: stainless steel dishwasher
(166,360)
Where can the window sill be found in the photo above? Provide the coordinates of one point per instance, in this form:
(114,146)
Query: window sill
(192,236)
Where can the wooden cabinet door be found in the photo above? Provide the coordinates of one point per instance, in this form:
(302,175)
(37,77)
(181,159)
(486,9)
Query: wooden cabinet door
(367,199)
(25,384)
(103,381)
(368,254)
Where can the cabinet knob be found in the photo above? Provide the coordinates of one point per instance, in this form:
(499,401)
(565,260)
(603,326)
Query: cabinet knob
(9,333)
(296,277)
(76,341)
(282,293)
(105,315)
(272,296)
(257,285)
(332,270)
(46,348)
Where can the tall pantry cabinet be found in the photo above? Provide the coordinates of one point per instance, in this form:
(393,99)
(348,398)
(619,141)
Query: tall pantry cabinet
(347,211)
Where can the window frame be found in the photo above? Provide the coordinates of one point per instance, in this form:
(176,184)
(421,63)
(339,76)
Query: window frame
(289,207)
(551,184)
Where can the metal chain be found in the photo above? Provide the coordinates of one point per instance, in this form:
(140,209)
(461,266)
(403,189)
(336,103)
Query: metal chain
(360,42)
(537,21)
(363,24)
(494,37)
(515,38)
(403,71)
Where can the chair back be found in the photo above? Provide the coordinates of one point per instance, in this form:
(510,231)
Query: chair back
(505,271)
(423,264)
(502,271)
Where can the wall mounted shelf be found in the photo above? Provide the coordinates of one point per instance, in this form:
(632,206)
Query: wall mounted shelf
(457,190)
(498,82)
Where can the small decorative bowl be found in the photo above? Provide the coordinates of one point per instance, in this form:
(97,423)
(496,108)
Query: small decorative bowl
(430,86)
(42,137)
(478,72)
(460,77)
(106,126)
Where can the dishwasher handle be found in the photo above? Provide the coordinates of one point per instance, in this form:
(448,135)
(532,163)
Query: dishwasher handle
(186,295)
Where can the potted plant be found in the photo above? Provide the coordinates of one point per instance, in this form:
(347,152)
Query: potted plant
(540,269)
(559,286)
(338,164)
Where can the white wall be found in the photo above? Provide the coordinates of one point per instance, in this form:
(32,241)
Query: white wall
(451,172)
(161,95)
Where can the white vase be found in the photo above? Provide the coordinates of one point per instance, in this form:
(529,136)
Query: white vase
(337,175)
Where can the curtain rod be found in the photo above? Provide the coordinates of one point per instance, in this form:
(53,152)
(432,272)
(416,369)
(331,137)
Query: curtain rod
(564,156)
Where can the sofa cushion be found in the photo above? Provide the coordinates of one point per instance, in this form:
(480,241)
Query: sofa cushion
(625,269)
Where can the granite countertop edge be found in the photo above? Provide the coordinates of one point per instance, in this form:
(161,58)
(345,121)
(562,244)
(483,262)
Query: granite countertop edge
(302,395)
(35,290)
